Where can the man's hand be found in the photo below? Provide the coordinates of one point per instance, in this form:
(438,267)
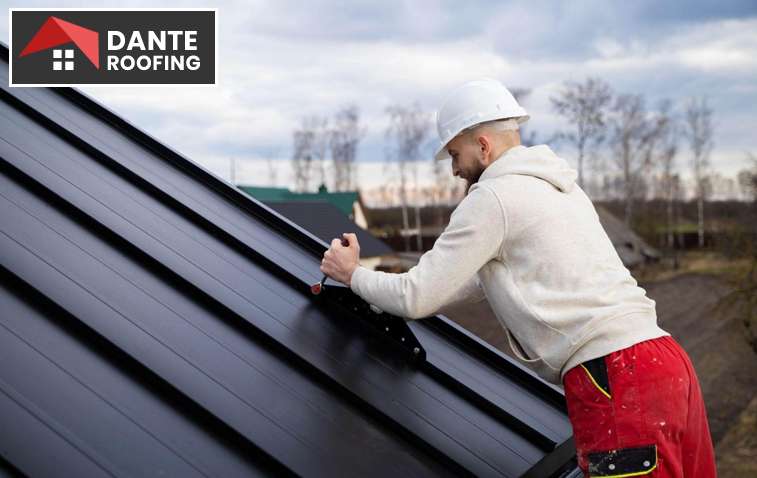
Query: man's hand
(339,262)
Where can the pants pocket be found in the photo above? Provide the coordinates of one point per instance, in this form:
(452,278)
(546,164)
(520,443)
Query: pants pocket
(632,461)
(596,369)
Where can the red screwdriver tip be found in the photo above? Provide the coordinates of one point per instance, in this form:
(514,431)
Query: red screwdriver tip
(316,288)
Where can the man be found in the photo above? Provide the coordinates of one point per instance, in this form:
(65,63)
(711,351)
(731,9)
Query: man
(527,239)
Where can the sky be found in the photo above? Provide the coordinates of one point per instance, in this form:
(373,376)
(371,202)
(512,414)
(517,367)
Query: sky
(280,61)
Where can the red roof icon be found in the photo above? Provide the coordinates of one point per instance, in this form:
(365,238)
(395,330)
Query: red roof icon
(56,32)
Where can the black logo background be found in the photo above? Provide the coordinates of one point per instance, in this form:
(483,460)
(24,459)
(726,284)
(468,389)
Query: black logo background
(37,68)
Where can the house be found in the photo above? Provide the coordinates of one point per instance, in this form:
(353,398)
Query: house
(327,222)
(386,223)
(632,249)
(156,320)
(346,201)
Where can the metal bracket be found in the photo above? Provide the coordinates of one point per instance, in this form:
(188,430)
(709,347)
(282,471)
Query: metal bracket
(390,327)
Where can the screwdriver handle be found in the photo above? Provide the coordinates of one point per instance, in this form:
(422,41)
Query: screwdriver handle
(316,288)
(345,243)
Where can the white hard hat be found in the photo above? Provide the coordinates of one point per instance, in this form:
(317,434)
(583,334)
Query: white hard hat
(472,103)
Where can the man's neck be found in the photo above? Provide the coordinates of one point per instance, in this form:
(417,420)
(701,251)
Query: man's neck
(498,153)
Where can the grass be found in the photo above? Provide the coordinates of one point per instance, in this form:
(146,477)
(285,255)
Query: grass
(738,273)
(681,228)
(693,262)
(735,452)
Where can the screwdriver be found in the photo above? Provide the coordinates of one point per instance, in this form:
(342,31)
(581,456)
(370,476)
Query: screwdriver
(316,288)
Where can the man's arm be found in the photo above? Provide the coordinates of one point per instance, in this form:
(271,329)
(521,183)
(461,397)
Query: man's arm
(473,237)
(470,293)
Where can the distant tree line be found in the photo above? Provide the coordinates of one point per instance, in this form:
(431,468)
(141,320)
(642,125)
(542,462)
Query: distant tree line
(625,151)
(642,145)
(325,150)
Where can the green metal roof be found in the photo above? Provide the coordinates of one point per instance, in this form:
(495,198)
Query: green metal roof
(342,200)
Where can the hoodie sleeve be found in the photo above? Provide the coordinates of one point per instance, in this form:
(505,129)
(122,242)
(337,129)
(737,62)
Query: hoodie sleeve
(470,293)
(474,236)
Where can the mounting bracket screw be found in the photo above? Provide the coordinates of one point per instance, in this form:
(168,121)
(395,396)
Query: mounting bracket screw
(416,350)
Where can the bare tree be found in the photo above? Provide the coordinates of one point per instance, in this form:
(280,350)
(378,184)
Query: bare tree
(668,133)
(699,133)
(407,129)
(272,173)
(440,169)
(345,136)
(302,155)
(527,138)
(321,134)
(744,293)
(417,208)
(747,180)
(585,106)
(632,140)
(442,173)
(721,187)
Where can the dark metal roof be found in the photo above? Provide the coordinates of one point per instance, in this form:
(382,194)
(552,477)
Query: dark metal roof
(327,222)
(157,321)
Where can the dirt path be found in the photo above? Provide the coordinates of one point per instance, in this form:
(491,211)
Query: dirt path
(726,366)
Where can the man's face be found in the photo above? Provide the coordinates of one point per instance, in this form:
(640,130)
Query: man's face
(468,160)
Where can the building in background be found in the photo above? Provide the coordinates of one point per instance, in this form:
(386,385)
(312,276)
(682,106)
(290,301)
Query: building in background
(327,222)
(346,201)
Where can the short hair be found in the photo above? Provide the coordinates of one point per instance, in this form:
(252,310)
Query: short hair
(508,124)
(499,125)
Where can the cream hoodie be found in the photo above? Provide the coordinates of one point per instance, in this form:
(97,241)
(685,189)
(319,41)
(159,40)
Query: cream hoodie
(527,239)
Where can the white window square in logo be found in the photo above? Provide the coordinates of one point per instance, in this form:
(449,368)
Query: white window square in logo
(63,65)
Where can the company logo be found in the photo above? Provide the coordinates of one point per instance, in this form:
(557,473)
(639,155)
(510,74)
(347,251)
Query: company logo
(112,47)
(55,32)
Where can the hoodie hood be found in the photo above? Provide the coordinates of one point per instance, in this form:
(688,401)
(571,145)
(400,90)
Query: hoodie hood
(538,161)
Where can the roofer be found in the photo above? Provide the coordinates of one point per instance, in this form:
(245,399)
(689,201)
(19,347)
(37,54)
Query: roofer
(527,239)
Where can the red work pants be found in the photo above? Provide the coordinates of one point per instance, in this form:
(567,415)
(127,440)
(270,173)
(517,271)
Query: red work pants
(639,412)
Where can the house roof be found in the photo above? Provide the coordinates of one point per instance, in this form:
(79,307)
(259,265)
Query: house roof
(390,218)
(631,248)
(327,222)
(342,200)
(157,319)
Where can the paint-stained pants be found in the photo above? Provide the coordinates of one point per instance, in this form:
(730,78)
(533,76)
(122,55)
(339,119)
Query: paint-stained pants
(639,412)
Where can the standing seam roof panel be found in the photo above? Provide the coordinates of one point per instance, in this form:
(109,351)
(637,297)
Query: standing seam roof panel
(203,293)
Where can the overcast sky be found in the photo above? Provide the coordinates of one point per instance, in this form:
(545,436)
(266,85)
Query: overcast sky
(282,60)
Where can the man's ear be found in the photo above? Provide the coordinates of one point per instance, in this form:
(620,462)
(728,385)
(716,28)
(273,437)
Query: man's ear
(484,144)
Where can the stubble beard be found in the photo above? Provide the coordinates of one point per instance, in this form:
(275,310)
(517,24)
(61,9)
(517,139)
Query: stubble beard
(471,181)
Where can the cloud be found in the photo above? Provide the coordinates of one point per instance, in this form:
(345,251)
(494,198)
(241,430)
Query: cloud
(281,61)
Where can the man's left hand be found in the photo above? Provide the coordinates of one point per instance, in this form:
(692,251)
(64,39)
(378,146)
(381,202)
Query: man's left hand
(339,262)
